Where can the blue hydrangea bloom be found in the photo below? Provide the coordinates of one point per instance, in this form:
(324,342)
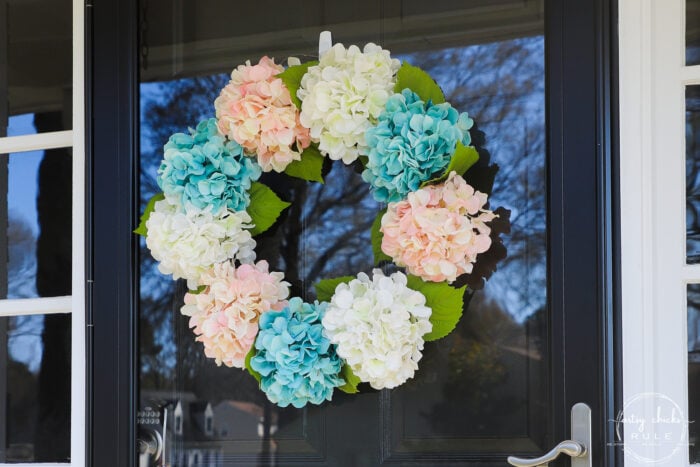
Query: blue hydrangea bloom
(297,362)
(412,142)
(204,169)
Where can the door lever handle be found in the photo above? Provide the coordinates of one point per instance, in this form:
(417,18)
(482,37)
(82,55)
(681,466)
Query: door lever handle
(568,447)
(578,448)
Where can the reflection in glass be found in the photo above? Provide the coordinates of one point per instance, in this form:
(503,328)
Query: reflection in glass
(694,370)
(20,125)
(23,225)
(692,173)
(35,63)
(484,388)
(38,210)
(692,32)
(35,422)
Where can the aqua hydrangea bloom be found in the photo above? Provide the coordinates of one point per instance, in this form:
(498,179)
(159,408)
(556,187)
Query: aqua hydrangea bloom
(412,142)
(203,169)
(297,362)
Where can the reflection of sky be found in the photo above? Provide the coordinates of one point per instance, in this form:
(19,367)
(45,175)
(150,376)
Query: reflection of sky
(23,172)
(22,124)
(22,189)
(23,169)
(24,343)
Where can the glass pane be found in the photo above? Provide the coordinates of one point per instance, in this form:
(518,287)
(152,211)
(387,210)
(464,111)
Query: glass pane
(694,371)
(35,380)
(36,64)
(692,32)
(692,172)
(483,391)
(37,215)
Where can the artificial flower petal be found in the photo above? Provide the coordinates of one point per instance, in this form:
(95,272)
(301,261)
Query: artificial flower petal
(255,110)
(297,362)
(188,241)
(343,95)
(438,231)
(379,332)
(224,316)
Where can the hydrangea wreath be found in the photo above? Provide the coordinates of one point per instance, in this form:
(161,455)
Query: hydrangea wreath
(355,105)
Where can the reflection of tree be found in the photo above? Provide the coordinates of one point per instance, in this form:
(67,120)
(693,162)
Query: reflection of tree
(502,86)
(492,359)
(21,397)
(692,173)
(22,253)
(478,354)
(169,356)
(53,279)
(39,402)
(326,233)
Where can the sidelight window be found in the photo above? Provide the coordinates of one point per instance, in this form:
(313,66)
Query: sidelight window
(42,354)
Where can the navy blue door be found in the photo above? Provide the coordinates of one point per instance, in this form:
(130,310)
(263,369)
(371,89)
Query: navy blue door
(535,338)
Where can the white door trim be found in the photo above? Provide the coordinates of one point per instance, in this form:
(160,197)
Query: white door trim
(652,198)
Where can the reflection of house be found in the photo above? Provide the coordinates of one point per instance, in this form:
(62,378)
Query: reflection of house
(200,434)
(199,419)
(240,420)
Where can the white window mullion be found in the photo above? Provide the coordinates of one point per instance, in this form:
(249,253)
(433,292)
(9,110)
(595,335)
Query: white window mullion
(78,322)
(691,273)
(38,464)
(35,306)
(50,140)
(690,75)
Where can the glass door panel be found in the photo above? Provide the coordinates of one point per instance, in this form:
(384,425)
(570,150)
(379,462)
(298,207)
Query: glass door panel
(481,392)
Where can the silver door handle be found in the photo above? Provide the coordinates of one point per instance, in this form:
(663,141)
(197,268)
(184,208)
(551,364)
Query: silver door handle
(568,447)
(578,448)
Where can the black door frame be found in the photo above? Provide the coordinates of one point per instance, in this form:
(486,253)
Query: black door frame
(581,64)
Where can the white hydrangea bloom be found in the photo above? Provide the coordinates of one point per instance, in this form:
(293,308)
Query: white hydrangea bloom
(188,242)
(378,326)
(343,95)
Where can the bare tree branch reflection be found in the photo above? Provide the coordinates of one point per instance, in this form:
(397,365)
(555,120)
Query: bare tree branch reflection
(484,372)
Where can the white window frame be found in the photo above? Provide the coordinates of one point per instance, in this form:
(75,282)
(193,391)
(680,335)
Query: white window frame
(653,76)
(75,303)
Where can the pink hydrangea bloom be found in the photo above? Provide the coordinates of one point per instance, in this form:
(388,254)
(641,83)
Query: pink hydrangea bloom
(255,110)
(438,231)
(225,315)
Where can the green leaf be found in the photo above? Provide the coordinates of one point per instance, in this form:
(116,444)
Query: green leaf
(265,207)
(291,77)
(325,288)
(376,235)
(462,160)
(198,290)
(446,303)
(141,229)
(351,380)
(420,82)
(310,166)
(248,357)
